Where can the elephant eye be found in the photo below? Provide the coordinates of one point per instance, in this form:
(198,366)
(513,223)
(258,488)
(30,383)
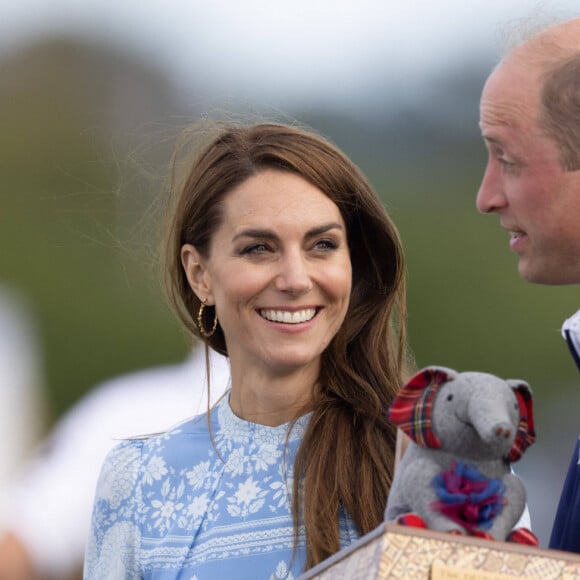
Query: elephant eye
(450,397)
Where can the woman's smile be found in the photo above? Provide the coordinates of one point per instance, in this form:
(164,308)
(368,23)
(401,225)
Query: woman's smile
(288,316)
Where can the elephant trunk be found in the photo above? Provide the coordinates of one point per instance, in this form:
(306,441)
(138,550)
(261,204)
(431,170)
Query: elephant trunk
(492,423)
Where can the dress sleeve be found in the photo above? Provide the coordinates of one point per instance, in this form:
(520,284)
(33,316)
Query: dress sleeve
(115,538)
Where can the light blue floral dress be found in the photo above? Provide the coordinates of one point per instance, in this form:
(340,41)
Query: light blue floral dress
(178,505)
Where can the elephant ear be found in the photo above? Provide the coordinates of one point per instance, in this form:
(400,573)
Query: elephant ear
(411,410)
(526,434)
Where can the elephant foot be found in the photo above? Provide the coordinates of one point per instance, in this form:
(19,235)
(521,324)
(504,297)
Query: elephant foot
(523,536)
(412,520)
(481,534)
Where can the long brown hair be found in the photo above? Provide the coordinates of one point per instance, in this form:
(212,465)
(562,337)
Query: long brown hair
(346,458)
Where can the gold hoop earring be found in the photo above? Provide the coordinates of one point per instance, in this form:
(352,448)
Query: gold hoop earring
(202,329)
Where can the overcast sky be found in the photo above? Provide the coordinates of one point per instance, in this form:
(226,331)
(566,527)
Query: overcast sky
(289,51)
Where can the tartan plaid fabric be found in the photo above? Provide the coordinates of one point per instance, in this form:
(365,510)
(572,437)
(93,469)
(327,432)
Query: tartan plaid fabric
(526,434)
(411,408)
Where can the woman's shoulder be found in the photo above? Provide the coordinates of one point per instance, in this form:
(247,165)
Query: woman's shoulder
(133,461)
(191,434)
(195,426)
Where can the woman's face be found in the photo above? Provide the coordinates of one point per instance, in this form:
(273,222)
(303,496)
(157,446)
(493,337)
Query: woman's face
(278,272)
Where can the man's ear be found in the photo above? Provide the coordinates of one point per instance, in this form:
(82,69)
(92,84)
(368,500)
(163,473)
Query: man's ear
(195,266)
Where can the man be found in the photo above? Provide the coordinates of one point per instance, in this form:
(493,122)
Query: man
(45,511)
(530,122)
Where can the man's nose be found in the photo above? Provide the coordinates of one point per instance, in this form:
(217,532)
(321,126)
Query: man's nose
(490,196)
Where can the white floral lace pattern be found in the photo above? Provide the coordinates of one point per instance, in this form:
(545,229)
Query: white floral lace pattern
(180,505)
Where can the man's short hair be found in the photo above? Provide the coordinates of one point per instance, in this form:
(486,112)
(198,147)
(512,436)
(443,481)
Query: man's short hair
(560,108)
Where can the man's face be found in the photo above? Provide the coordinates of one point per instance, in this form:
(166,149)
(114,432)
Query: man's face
(537,202)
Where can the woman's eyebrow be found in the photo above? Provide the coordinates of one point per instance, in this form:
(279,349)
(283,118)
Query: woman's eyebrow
(323,229)
(265,234)
(255,233)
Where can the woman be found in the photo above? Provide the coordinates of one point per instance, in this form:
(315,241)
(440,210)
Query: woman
(280,256)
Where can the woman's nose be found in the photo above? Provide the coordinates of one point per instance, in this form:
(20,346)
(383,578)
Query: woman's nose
(294,275)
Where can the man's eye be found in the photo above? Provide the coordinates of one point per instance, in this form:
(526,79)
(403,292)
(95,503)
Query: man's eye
(506,162)
(507,165)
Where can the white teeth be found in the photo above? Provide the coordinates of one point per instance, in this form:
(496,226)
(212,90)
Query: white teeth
(289,317)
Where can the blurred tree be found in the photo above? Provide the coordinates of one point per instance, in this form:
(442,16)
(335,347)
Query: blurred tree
(69,114)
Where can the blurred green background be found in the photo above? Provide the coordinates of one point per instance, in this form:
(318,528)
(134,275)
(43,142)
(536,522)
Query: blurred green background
(74,231)
(80,226)
(86,135)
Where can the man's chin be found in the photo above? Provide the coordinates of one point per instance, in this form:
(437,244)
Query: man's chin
(550,276)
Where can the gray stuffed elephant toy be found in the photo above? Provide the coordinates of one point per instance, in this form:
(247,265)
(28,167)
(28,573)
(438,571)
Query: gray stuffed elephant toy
(465,430)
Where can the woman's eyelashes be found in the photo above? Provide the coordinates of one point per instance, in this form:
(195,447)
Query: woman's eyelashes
(261,248)
(255,249)
(326,245)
